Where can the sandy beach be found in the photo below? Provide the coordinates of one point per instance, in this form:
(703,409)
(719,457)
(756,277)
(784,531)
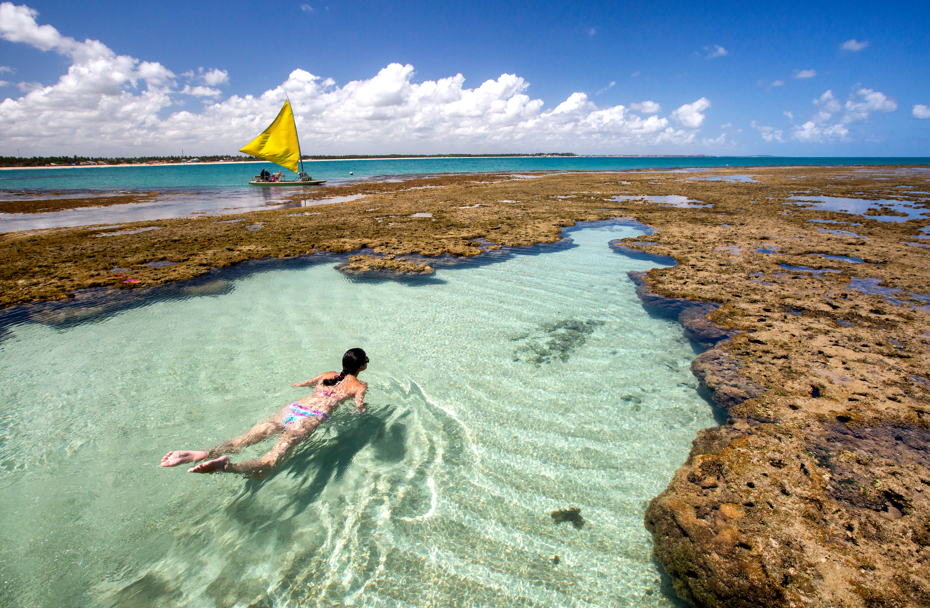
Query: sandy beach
(814,325)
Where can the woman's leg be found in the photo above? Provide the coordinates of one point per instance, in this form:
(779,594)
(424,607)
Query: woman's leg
(259,432)
(259,468)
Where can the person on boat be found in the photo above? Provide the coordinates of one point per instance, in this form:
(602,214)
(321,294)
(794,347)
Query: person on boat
(294,423)
(278,177)
(265,175)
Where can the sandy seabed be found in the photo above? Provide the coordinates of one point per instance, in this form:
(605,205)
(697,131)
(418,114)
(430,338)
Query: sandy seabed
(816,492)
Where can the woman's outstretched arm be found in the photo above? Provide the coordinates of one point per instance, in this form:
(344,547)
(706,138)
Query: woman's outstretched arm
(316,379)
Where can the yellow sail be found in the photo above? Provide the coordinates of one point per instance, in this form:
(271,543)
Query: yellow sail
(278,143)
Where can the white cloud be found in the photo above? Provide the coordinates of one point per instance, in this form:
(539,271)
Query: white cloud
(215,77)
(635,74)
(6,70)
(98,107)
(95,67)
(921,111)
(592,32)
(729,125)
(811,132)
(770,85)
(17,24)
(155,73)
(854,45)
(828,105)
(306,8)
(28,87)
(866,101)
(689,115)
(715,142)
(4,83)
(805,74)
(200,91)
(789,115)
(774,135)
(646,107)
(210,78)
(714,51)
(857,108)
(769,134)
(612,84)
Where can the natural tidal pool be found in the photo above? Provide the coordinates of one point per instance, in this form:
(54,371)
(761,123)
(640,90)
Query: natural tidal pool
(498,393)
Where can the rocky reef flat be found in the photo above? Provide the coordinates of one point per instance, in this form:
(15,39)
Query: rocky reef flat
(808,289)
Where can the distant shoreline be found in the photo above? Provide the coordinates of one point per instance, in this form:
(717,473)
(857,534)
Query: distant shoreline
(914,159)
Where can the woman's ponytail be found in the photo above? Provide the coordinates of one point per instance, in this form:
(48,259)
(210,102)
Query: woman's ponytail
(352,361)
(336,380)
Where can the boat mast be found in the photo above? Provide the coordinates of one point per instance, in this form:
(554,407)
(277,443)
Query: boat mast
(294,118)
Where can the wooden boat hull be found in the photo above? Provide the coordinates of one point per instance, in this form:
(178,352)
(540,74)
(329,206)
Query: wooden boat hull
(309,182)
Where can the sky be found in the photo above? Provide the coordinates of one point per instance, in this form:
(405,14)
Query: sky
(813,78)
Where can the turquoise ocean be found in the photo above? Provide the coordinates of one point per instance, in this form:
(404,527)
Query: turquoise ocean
(500,390)
(237,175)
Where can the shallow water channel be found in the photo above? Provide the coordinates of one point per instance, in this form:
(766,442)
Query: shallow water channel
(497,393)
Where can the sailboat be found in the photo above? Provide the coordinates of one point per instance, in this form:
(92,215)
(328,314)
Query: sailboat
(279,144)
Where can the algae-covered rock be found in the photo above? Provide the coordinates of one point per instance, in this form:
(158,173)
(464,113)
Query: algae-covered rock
(371,266)
(719,373)
(571,514)
(555,340)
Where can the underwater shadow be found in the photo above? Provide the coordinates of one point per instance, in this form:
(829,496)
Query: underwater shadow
(327,459)
(378,277)
(667,588)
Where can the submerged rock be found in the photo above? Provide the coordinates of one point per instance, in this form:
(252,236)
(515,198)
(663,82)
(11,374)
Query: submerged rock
(720,374)
(554,340)
(388,266)
(572,514)
(691,314)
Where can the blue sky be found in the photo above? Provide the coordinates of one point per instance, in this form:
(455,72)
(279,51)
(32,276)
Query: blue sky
(740,78)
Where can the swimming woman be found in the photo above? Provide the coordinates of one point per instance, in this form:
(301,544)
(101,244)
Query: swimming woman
(294,423)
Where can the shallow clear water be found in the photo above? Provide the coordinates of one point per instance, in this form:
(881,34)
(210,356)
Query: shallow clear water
(203,201)
(497,393)
(744,179)
(675,200)
(861,206)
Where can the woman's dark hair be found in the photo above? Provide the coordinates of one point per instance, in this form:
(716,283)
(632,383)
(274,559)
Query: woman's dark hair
(352,361)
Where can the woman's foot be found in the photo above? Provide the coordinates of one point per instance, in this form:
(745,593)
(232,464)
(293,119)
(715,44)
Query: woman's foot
(173,459)
(211,466)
